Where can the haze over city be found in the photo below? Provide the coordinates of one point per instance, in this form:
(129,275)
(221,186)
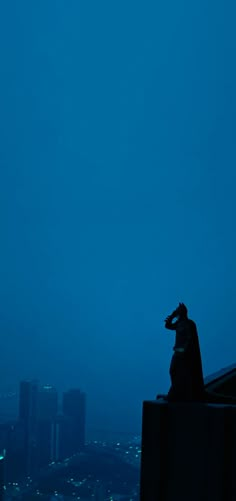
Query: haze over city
(117,194)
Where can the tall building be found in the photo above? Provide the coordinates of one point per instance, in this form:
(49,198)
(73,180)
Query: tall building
(15,452)
(9,443)
(38,406)
(47,403)
(56,433)
(72,427)
(28,401)
(46,424)
(28,418)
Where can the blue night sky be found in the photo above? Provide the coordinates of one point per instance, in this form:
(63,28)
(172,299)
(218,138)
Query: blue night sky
(117,193)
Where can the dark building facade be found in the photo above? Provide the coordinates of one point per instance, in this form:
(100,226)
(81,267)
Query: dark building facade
(45,440)
(38,407)
(189,449)
(28,400)
(12,436)
(47,409)
(15,452)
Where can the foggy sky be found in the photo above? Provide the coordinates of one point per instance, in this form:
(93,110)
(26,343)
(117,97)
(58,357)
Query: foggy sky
(117,193)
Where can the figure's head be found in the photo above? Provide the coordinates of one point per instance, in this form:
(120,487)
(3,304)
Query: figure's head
(181,311)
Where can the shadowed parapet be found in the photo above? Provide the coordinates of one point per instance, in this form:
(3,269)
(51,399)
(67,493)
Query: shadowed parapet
(188,452)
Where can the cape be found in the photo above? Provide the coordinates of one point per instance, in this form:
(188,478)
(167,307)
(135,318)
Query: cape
(193,355)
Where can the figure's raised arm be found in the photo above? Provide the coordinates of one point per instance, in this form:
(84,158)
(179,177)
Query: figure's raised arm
(169,324)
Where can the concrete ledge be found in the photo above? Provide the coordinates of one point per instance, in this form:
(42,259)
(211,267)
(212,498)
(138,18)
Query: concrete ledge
(188,452)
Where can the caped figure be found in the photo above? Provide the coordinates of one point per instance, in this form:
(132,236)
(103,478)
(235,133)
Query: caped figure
(186,374)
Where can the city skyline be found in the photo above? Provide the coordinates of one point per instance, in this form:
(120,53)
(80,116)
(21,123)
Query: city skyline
(117,198)
(45,451)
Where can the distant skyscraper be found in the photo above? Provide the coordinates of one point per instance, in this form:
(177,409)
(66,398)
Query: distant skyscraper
(46,424)
(46,430)
(28,417)
(28,400)
(72,427)
(47,403)
(56,434)
(16,452)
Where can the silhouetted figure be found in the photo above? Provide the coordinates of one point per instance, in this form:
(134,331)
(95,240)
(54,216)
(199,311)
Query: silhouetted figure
(186,374)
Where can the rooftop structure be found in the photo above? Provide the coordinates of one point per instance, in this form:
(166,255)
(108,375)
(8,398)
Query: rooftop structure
(189,449)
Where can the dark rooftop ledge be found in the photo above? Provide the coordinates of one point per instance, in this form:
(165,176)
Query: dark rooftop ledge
(225,372)
(161,401)
(188,451)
